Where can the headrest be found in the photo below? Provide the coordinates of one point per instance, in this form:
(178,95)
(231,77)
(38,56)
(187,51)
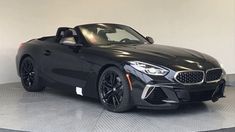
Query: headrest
(59,31)
(67,33)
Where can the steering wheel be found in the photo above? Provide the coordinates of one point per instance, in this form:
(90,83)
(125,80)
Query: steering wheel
(125,40)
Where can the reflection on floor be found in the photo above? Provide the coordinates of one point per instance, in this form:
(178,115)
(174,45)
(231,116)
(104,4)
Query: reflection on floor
(54,110)
(9,130)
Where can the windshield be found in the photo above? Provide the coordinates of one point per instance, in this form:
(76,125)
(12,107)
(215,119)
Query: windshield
(111,34)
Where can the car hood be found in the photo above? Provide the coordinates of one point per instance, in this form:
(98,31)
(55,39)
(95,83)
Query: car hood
(167,56)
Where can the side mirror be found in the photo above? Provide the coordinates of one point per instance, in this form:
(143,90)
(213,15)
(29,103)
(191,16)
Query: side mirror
(150,39)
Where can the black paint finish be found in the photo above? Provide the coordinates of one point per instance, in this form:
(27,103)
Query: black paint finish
(68,66)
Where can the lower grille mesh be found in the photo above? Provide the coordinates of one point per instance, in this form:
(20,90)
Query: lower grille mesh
(157,96)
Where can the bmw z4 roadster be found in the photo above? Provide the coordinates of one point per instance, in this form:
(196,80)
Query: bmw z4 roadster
(120,67)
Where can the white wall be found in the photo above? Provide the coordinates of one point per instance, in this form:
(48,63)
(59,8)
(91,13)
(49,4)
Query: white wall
(204,25)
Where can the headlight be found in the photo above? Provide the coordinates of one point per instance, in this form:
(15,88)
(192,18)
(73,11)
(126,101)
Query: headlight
(148,68)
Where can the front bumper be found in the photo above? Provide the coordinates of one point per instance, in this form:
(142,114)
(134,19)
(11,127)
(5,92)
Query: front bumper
(171,95)
(158,92)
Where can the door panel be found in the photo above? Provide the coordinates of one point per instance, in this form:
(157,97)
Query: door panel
(61,64)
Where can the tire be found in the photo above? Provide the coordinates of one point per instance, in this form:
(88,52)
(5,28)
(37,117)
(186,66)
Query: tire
(29,76)
(113,89)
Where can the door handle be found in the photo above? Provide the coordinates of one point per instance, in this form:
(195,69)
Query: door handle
(47,52)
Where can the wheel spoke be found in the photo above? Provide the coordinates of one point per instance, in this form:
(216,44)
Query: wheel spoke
(24,76)
(109,99)
(107,85)
(120,91)
(118,86)
(112,78)
(25,68)
(30,68)
(26,65)
(30,83)
(107,94)
(31,78)
(117,100)
(114,102)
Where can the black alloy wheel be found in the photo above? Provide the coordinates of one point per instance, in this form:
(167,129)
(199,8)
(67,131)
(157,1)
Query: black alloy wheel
(114,90)
(29,76)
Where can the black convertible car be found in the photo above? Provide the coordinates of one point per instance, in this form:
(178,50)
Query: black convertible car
(120,67)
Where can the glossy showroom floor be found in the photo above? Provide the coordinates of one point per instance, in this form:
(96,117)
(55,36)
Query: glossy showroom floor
(54,110)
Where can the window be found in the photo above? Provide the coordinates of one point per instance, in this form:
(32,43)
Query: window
(119,35)
(111,34)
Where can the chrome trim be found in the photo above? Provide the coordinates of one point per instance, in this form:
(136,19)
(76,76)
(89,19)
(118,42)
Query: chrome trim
(148,86)
(145,91)
(214,80)
(203,78)
(170,101)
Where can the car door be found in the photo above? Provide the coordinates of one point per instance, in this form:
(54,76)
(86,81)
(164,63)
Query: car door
(64,64)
